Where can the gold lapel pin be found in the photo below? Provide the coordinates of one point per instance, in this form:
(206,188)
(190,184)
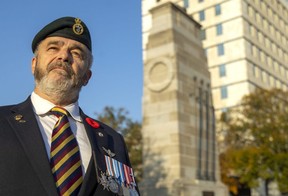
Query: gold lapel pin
(19,117)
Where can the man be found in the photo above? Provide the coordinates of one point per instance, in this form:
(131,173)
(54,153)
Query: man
(48,146)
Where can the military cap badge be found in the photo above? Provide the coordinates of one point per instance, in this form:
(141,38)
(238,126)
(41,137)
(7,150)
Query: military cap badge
(77,27)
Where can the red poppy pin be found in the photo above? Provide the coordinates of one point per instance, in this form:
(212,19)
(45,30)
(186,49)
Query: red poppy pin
(92,122)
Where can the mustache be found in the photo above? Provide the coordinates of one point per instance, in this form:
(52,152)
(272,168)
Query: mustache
(63,65)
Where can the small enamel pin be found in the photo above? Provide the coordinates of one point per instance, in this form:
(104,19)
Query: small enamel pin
(19,117)
(109,152)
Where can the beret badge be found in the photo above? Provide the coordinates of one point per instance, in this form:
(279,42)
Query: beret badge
(77,27)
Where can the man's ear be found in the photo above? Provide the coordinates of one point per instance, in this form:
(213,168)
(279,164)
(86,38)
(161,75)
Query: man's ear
(87,77)
(33,64)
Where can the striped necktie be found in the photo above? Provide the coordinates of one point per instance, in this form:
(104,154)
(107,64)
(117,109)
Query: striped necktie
(65,158)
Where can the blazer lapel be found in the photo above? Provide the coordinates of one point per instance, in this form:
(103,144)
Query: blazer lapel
(26,129)
(98,139)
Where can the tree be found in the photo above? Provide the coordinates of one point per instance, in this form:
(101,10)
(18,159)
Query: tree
(256,139)
(133,139)
(115,118)
(131,130)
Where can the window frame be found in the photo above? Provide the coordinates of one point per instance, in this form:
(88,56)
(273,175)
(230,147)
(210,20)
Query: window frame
(219,29)
(224,92)
(201,15)
(218,10)
(220,49)
(222,70)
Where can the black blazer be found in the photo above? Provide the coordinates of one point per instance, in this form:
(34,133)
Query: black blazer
(24,165)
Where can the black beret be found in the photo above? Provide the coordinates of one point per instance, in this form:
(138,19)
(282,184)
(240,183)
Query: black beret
(68,27)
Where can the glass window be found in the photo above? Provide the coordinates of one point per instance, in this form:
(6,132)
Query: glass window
(217,9)
(269,61)
(258,18)
(220,49)
(203,34)
(249,48)
(264,76)
(276,66)
(224,92)
(254,50)
(201,15)
(263,6)
(260,37)
(265,24)
(251,12)
(282,70)
(219,29)
(266,41)
(186,3)
(252,30)
(262,56)
(206,52)
(278,84)
(271,80)
(222,70)
(254,70)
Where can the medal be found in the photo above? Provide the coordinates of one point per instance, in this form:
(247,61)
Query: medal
(113,185)
(126,191)
(120,191)
(119,178)
(104,181)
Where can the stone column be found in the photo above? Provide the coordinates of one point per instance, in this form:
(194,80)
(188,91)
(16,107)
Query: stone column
(180,156)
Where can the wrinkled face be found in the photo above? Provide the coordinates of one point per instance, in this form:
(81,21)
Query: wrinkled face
(61,65)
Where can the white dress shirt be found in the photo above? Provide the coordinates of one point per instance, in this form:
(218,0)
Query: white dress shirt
(46,122)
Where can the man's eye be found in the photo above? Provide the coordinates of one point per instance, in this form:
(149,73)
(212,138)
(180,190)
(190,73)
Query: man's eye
(76,54)
(52,48)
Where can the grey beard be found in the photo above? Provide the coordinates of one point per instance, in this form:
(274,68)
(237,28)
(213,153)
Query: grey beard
(64,89)
(59,90)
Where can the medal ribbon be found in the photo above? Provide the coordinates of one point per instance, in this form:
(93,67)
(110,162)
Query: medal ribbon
(108,165)
(115,167)
(120,171)
(127,174)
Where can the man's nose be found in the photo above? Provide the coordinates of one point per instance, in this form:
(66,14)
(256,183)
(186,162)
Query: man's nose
(65,56)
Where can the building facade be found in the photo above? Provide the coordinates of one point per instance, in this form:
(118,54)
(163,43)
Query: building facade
(246,46)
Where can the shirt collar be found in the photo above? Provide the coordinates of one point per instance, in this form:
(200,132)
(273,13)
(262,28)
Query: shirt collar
(42,107)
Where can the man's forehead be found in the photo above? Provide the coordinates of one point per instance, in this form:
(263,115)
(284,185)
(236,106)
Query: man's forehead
(63,41)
